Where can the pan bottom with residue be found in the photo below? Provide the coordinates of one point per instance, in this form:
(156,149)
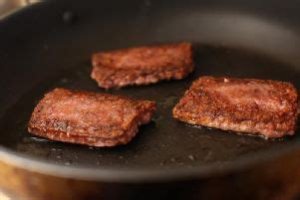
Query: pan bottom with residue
(165,142)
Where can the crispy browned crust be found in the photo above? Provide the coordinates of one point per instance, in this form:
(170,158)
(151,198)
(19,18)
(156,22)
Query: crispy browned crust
(264,107)
(142,65)
(89,118)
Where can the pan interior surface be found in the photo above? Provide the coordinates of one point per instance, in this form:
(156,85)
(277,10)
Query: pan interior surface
(164,142)
(61,58)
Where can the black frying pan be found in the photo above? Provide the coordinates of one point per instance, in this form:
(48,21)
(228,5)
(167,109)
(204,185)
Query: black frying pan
(49,45)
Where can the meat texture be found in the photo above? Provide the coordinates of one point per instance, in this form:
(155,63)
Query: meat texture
(261,107)
(142,65)
(93,119)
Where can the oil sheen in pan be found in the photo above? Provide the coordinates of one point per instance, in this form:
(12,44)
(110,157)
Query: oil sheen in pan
(164,142)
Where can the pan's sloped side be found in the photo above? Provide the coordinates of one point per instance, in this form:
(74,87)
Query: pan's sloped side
(272,180)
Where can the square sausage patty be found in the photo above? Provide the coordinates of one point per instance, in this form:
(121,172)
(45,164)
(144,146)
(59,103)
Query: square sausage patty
(94,119)
(264,107)
(142,65)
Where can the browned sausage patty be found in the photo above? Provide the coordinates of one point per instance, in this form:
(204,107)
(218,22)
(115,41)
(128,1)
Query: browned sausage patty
(264,107)
(89,118)
(142,65)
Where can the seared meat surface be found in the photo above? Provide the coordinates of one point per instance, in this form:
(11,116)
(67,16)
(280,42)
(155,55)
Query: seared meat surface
(264,107)
(89,118)
(142,65)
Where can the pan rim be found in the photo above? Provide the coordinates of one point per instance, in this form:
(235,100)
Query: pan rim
(117,175)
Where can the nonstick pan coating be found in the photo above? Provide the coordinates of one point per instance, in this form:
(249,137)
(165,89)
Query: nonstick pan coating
(36,58)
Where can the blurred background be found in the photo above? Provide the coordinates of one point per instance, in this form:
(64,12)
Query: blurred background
(7,6)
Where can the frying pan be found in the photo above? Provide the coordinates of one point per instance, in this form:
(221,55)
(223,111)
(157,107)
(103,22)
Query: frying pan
(49,45)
